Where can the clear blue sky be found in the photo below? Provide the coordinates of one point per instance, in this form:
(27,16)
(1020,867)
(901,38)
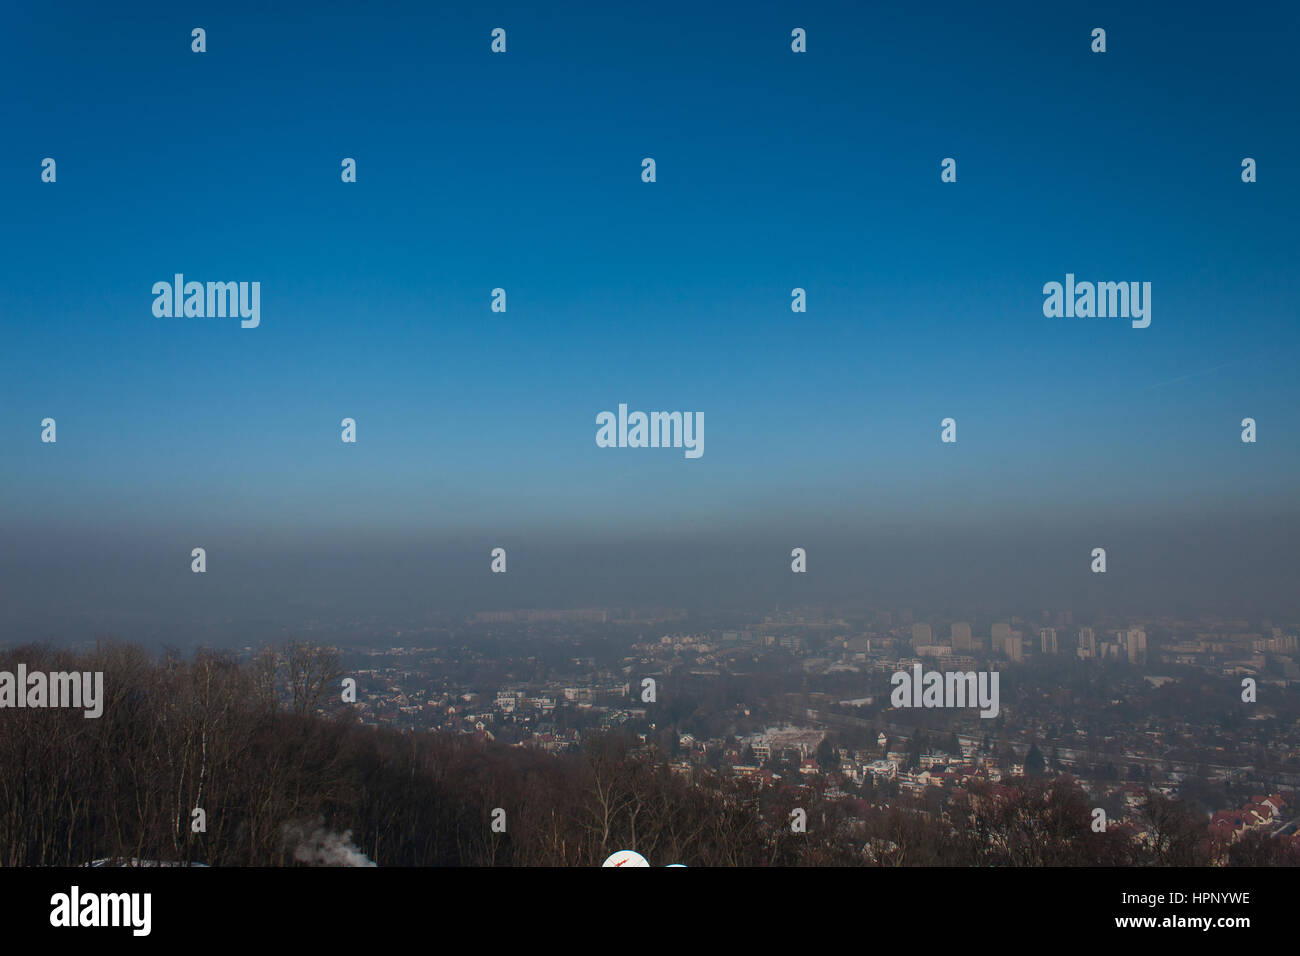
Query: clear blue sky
(522,170)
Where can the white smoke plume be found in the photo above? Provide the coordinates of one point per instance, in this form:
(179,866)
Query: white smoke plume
(322,847)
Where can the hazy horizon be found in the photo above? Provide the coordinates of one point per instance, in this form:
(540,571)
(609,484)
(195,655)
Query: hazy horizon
(775,171)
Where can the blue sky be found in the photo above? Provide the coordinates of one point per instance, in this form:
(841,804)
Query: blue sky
(522,170)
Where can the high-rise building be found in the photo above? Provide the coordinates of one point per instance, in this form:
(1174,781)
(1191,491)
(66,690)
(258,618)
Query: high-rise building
(1136,639)
(1087,643)
(1013,647)
(961,637)
(1001,639)
(1047,638)
(922,635)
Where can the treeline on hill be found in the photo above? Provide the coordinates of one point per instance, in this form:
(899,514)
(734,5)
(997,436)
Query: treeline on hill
(250,746)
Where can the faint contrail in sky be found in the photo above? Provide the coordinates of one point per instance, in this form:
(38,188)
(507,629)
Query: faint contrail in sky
(1183,378)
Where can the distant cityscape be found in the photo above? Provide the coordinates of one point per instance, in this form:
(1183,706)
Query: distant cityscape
(801,699)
